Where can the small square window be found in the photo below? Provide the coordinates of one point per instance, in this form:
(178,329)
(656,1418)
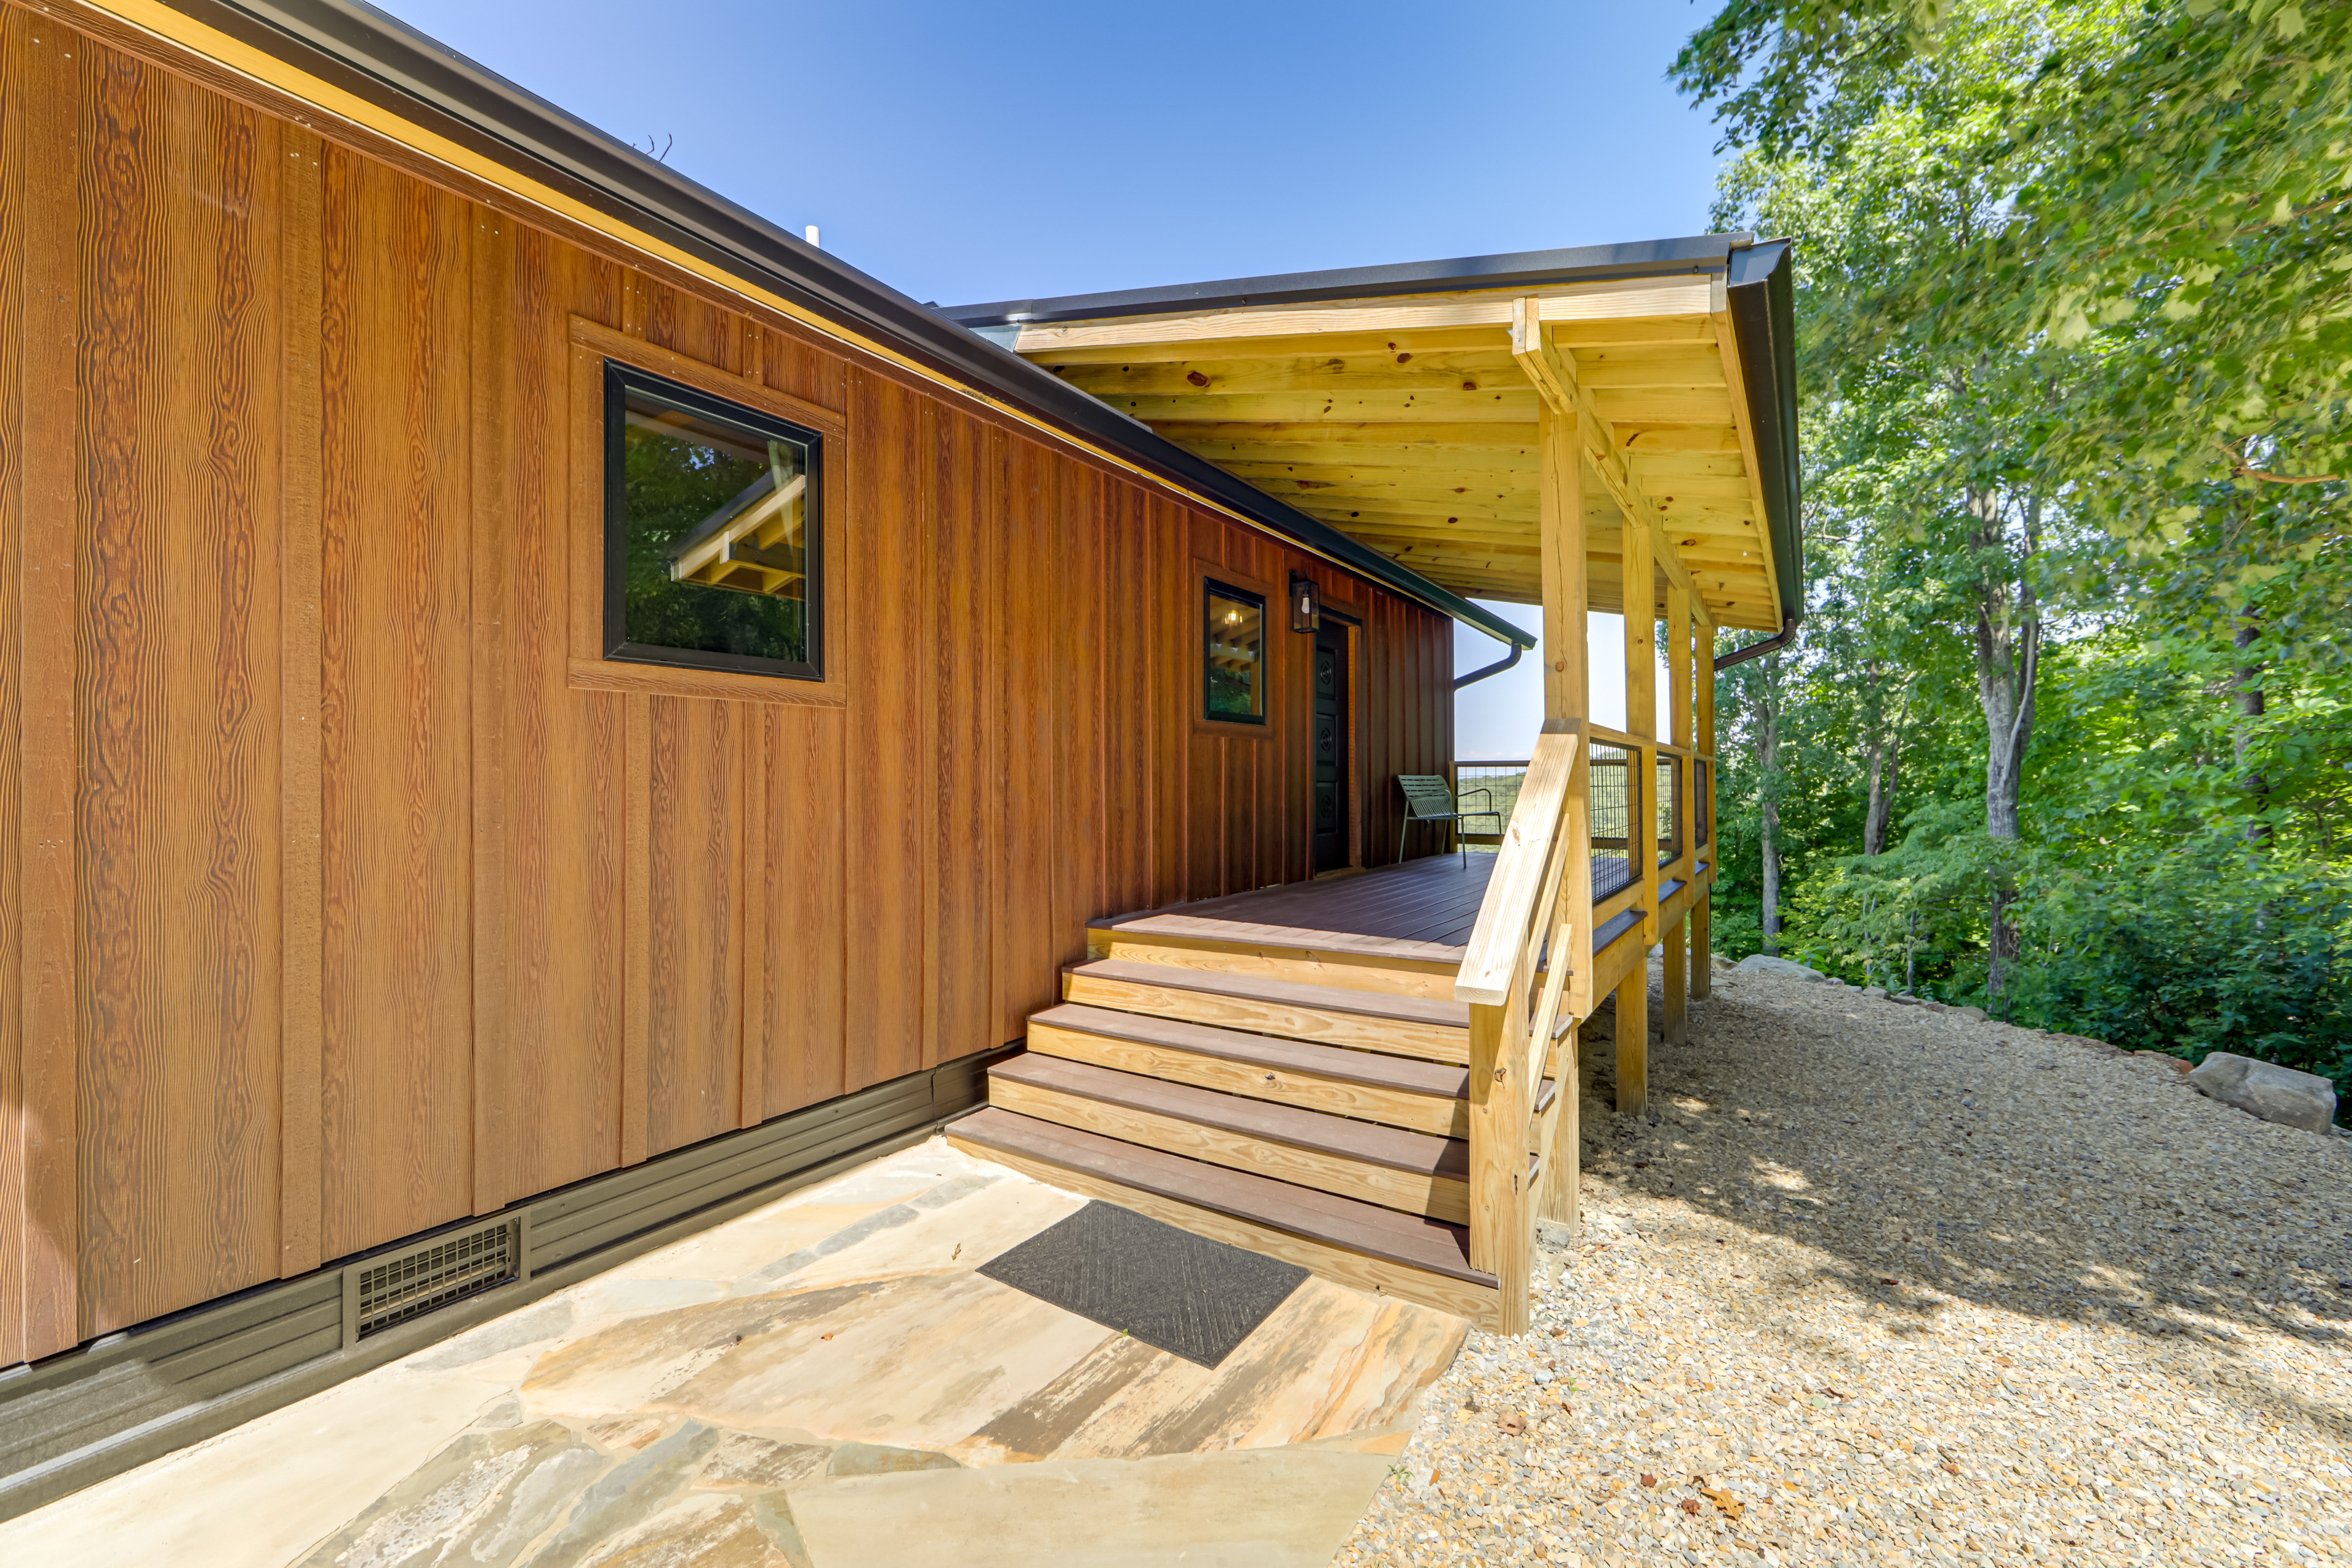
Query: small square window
(711,530)
(1234,655)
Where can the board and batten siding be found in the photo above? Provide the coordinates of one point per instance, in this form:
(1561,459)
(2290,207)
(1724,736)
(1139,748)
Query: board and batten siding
(339,898)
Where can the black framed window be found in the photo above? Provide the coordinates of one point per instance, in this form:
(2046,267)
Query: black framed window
(1233,647)
(713,535)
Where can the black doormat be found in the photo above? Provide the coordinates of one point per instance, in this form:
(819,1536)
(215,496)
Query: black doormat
(1175,1291)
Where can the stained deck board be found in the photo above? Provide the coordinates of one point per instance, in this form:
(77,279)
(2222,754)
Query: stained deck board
(1366,1143)
(1415,1241)
(1420,910)
(1299,993)
(1402,1075)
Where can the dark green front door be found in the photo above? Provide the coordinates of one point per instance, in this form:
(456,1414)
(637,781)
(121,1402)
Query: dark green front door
(1329,837)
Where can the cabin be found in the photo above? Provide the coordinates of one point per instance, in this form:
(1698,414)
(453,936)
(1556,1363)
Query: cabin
(537,708)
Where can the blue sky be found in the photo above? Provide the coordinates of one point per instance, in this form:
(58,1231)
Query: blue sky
(967,153)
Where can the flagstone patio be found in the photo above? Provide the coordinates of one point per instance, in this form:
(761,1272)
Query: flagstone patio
(821,1383)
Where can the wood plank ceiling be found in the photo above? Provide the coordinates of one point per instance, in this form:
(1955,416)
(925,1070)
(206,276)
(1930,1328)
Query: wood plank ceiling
(1406,423)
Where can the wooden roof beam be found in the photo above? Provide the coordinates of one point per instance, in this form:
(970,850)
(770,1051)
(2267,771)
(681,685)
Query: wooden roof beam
(1554,378)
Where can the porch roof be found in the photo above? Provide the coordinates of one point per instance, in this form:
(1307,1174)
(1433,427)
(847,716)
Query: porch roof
(1388,402)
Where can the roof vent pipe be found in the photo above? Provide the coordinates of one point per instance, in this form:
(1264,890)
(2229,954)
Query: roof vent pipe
(1772,644)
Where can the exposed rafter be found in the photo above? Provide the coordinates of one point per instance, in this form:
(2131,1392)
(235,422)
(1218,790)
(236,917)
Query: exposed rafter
(1556,382)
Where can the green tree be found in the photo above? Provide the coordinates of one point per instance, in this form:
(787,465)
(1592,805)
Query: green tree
(2076,307)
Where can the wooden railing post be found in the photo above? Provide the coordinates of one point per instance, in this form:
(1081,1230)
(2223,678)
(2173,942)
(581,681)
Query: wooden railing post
(1703,742)
(1499,1199)
(1641,607)
(1676,986)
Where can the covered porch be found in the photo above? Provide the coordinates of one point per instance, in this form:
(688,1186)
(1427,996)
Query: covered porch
(1609,431)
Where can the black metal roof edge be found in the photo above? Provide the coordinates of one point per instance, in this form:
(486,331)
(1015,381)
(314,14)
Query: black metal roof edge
(1517,269)
(1760,293)
(378,58)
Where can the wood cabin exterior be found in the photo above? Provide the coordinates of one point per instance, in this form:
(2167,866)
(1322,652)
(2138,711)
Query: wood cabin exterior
(364,886)
(349,890)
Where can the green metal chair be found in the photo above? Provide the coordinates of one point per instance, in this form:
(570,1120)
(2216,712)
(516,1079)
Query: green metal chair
(1429,798)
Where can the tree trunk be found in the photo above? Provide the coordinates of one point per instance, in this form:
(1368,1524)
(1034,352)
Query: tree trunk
(1885,761)
(2009,657)
(1767,756)
(2249,706)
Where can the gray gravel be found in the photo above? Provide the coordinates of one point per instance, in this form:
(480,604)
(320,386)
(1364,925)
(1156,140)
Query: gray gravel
(1875,1283)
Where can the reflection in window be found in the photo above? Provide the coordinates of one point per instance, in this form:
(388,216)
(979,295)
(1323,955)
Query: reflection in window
(1235,653)
(712,535)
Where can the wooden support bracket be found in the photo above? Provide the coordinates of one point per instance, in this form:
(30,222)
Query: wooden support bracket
(1554,379)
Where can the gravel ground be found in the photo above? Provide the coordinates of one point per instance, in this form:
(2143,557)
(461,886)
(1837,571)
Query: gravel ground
(1874,1283)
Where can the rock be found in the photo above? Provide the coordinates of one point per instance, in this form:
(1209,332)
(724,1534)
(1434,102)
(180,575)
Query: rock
(878,1459)
(2266,1090)
(1764,963)
(1874,991)
(1973,1015)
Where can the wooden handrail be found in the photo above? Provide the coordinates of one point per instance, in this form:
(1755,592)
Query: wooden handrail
(1511,890)
(1527,967)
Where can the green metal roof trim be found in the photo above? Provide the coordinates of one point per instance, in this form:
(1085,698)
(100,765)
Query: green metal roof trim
(382,61)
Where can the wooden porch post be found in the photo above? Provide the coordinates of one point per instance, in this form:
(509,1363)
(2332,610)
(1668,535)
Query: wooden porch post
(1567,591)
(1678,683)
(1703,742)
(1637,577)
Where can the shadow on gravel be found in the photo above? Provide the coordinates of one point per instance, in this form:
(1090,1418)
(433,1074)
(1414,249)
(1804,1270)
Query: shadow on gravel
(2018,1172)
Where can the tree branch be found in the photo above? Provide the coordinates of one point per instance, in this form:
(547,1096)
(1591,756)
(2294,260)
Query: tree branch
(2241,470)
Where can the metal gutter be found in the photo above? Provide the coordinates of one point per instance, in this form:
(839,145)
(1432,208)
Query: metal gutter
(1773,643)
(1760,293)
(1484,670)
(361,50)
(1514,270)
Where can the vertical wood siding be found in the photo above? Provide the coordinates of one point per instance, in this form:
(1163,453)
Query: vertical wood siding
(333,907)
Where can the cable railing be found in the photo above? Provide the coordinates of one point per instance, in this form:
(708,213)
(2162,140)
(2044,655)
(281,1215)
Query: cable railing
(1616,803)
(1670,808)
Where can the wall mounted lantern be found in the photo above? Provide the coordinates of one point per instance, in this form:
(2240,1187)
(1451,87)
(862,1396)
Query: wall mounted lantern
(1305,604)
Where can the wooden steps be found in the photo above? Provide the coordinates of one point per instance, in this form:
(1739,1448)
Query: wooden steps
(1358,1244)
(1280,953)
(1361,1160)
(1427,1096)
(1305,1093)
(1422,1026)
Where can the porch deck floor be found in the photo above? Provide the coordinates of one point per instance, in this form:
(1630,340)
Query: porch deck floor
(1421,909)
(828,1382)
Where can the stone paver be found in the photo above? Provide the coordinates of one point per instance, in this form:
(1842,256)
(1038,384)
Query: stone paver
(824,1382)
(1876,1284)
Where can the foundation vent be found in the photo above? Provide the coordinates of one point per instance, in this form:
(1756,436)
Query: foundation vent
(391,1290)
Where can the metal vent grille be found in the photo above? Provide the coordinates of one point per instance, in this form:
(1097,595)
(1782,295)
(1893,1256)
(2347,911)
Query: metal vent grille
(393,1290)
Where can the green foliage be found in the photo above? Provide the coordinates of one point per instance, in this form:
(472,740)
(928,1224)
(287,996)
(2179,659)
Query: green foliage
(2075,300)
